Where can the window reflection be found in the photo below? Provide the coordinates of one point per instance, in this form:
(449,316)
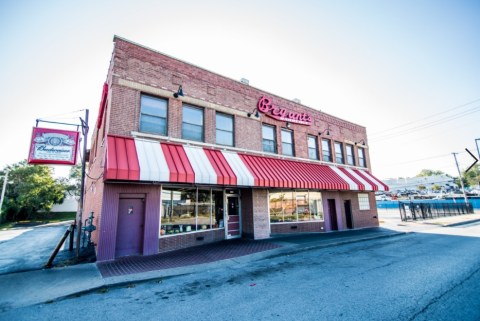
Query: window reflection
(189,210)
(295,206)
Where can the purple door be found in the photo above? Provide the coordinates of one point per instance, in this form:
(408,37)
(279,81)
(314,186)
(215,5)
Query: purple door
(233,217)
(130,227)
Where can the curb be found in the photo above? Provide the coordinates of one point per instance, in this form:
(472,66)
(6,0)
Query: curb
(461,223)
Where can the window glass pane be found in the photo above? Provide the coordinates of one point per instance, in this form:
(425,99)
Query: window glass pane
(294,206)
(315,205)
(218,209)
(303,210)
(268,146)
(312,147)
(192,115)
(287,146)
(224,122)
(224,131)
(153,115)
(268,135)
(204,204)
(338,153)
(152,124)
(153,106)
(326,151)
(286,136)
(178,211)
(361,157)
(267,132)
(192,132)
(350,156)
(224,137)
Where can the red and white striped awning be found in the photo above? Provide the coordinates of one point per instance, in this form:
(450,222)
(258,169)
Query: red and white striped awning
(145,160)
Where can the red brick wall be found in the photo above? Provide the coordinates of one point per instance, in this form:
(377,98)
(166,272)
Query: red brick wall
(153,70)
(181,241)
(297,227)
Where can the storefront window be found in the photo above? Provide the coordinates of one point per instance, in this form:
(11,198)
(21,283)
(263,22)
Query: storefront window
(189,210)
(153,115)
(295,206)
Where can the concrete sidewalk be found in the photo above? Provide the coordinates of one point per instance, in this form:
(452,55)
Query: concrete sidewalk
(47,285)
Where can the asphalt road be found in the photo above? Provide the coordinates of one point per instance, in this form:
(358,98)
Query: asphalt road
(433,275)
(28,248)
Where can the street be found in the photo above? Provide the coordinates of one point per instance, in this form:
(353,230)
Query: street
(433,274)
(26,249)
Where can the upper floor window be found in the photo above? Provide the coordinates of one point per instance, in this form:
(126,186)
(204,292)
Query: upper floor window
(268,139)
(192,123)
(361,157)
(339,153)
(153,115)
(312,147)
(287,142)
(326,150)
(224,129)
(350,155)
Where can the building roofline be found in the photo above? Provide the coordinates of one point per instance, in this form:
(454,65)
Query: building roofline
(115,37)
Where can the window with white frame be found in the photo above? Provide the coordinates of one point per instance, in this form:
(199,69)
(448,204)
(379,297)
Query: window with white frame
(363,202)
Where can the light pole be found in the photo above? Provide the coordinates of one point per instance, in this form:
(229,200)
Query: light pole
(460,178)
(5,178)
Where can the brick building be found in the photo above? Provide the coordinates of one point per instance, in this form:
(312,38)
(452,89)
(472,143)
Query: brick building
(182,156)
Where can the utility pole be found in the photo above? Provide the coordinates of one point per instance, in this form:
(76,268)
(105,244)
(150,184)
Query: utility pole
(460,177)
(5,179)
(82,183)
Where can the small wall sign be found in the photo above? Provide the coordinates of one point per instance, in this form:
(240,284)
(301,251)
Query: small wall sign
(265,106)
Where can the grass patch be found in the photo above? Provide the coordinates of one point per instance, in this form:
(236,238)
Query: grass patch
(41,218)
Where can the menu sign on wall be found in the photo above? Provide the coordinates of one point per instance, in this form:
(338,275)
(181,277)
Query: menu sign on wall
(265,106)
(53,146)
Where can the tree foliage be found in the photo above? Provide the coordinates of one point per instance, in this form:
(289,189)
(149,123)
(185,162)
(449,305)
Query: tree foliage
(429,172)
(30,189)
(472,177)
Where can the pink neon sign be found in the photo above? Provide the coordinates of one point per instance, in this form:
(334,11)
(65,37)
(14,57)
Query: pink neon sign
(265,106)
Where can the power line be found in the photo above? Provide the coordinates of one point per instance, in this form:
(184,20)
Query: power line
(426,117)
(427,125)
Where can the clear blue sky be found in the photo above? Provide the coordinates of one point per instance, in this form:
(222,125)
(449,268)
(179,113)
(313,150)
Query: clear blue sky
(407,70)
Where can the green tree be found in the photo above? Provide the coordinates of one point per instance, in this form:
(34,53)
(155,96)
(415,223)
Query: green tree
(472,177)
(30,189)
(429,172)
(73,182)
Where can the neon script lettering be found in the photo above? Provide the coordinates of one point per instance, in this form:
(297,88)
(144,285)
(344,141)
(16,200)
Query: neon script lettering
(265,106)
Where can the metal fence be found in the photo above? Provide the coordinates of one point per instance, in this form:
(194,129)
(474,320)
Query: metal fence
(428,210)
